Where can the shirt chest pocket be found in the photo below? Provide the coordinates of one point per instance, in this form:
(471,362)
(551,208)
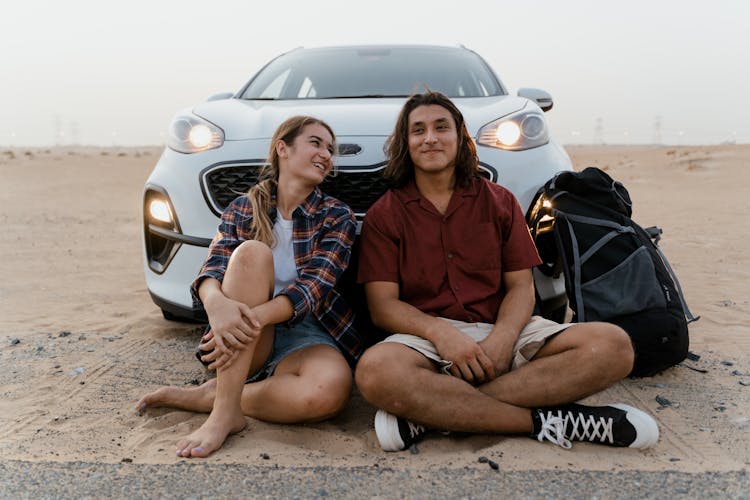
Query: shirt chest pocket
(479,247)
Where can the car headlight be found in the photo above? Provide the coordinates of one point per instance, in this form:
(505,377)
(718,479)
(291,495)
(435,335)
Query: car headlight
(522,130)
(191,134)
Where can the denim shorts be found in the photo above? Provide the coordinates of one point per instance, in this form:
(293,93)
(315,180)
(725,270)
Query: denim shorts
(286,341)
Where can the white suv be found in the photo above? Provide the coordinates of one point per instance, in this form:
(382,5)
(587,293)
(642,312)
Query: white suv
(215,149)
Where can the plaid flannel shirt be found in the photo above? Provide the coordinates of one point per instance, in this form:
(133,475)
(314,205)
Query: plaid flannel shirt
(322,238)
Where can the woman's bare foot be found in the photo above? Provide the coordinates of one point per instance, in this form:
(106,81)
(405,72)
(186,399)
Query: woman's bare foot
(197,399)
(211,435)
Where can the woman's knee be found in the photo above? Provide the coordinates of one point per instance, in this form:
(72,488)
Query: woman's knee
(251,263)
(324,378)
(252,254)
(327,394)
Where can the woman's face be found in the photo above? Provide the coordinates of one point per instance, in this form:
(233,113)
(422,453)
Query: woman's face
(310,157)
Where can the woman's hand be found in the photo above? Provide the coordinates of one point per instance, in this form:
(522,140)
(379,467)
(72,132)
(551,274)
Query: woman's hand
(234,325)
(215,358)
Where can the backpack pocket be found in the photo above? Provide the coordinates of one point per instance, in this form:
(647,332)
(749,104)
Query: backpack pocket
(660,339)
(603,296)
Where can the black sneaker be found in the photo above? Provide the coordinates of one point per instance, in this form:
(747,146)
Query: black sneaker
(396,434)
(613,425)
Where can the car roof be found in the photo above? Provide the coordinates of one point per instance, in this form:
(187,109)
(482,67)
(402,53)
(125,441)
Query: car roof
(383,47)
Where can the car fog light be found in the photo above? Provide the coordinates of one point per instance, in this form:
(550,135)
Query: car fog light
(159,210)
(508,133)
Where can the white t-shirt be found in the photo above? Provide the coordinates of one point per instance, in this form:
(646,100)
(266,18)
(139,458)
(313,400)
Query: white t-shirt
(283,254)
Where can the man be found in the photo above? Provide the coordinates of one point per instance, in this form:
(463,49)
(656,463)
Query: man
(446,260)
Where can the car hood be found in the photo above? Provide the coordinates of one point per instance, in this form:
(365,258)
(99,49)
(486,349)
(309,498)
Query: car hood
(244,119)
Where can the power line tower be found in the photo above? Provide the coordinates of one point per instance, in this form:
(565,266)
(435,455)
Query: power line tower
(657,130)
(73,126)
(599,131)
(59,134)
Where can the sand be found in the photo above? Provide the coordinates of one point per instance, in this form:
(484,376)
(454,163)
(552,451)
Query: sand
(81,340)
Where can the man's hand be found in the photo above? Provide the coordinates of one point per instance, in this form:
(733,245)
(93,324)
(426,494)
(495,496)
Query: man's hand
(514,313)
(499,351)
(470,362)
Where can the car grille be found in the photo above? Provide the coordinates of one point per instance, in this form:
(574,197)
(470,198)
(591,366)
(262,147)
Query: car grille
(223,184)
(356,186)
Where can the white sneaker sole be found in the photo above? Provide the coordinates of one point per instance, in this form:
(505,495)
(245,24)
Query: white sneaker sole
(647,431)
(386,429)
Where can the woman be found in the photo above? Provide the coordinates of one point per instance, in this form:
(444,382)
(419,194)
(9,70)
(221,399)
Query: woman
(280,338)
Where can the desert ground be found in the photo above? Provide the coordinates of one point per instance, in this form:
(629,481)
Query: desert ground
(81,340)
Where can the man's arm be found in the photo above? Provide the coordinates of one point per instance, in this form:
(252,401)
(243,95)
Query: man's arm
(513,315)
(396,316)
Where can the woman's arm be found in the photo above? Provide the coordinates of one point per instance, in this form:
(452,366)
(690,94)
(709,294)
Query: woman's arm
(232,321)
(234,325)
(226,240)
(329,260)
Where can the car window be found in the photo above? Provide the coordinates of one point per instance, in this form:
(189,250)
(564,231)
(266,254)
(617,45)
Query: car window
(274,88)
(307,90)
(373,72)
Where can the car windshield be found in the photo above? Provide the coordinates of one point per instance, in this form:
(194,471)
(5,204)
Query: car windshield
(358,72)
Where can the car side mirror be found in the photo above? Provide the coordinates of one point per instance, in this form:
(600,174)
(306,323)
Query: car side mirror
(539,96)
(221,96)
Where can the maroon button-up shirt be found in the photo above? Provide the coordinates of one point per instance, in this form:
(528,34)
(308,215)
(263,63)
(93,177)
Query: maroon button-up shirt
(450,264)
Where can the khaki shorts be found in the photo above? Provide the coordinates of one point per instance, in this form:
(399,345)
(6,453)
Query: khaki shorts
(530,341)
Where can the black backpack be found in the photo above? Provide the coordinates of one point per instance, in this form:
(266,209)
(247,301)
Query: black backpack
(614,270)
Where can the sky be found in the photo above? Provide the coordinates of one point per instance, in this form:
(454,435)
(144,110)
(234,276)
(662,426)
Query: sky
(114,73)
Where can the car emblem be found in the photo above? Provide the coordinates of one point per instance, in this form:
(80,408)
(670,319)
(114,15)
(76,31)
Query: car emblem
(349,149)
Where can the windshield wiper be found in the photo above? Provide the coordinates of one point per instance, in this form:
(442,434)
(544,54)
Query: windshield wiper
(363,96)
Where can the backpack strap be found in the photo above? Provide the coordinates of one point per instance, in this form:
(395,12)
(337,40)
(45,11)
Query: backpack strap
(580,313)
(685,309)
(617,230)
(578,259)
(614,188)
(654,232)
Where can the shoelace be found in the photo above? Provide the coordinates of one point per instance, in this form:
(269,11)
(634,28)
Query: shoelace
(582,428)
(553,430)
(415,429)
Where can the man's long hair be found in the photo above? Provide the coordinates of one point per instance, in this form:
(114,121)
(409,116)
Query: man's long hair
(400,167)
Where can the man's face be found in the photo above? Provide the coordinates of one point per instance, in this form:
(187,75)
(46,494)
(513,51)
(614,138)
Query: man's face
(433,139)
